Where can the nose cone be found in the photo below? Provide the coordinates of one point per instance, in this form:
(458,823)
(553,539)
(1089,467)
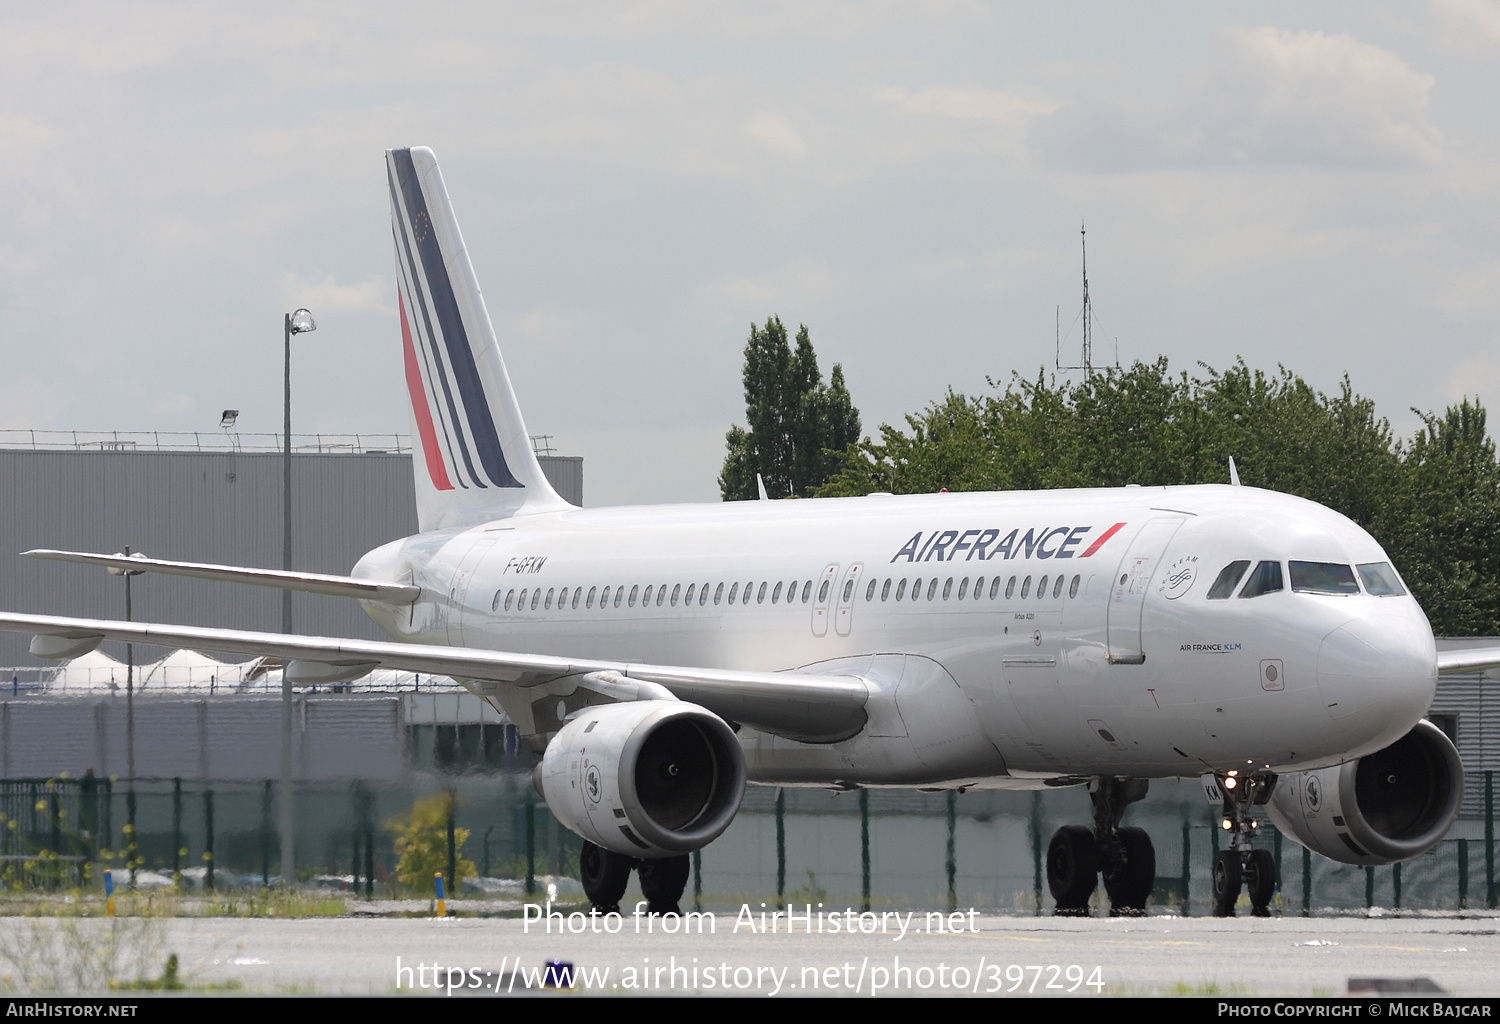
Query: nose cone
(1377,675)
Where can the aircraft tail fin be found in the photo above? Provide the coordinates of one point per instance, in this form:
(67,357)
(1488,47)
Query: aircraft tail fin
(471,454)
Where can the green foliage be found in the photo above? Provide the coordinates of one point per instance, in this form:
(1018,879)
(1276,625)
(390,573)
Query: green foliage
(1433,502)
(422,845)
(797,424)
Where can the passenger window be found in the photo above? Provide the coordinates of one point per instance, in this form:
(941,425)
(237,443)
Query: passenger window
(587,604)
(603,598)
(692,588)
(1231,574)
(823,592)
(848,590)
(677,592)
(536,595)
(703,595)
(760,595)
(577,593)
(995,588)
(948,588)
(1380,579)
(521,604)
(1057,589)
(620,596)
(733,590)
(932,589)
(1041,589)
(510,596)
(548,603)
(1322,578)
(776,594)
(978,587)
(806,591)
(916,588)
(1025,588)
(885,589)
(633,592)
(661,595)
(1265,578)
(791,592)
(870,592)
(900,590)
(963,588)
(1073,588)
(718,593)
(647,598)
(1010,588)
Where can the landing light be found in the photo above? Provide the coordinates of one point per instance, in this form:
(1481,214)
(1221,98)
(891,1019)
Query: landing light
(1230,782)
(1226,824)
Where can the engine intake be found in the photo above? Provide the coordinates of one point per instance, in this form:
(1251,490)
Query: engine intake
(1388,806)
(649,779)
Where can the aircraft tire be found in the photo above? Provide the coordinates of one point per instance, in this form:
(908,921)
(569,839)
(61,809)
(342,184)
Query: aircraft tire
(1072,868)
(1129,887)
(1227,880)
(662,882)
(604,875)
(1260,881)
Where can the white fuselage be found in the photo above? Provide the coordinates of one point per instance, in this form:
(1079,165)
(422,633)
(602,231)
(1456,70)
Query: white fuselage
(1124,668)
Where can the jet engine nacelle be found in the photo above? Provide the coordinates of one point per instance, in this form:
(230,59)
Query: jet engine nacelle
(648,779)
(1388,806)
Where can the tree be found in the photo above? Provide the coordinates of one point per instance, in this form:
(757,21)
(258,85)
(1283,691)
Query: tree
(797,424)
(422,845)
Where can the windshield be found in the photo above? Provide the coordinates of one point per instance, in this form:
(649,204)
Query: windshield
(1322,578)
(1380,579)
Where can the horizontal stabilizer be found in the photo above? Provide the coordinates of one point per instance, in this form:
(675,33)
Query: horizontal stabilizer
(816,708)
(309,582)
(1472,659)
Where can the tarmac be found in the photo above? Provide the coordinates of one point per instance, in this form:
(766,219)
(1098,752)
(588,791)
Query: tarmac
(824,952)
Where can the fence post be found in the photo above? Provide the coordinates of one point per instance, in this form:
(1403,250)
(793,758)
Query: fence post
(177,846)
(952,864)
(452,851)
(530,845)
(1036,849)
(1306,882)
(1463,874)
(1489,838)
(1187,867)
(864,849)
(208,840)
(698,879)
(780,846)
(265,835)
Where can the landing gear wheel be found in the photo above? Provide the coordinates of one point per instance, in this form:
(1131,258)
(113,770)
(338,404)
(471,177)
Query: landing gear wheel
(1227,880)
(1072,869)
(604,875)
(1130,885)
(1260,881)
(662,882)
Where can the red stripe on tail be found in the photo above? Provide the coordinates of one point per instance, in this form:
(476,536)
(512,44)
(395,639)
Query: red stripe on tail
(430,451)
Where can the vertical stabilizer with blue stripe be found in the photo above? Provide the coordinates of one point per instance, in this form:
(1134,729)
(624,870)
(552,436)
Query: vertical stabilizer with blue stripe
(471,454)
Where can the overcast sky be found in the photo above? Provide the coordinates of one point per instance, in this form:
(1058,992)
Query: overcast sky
(1310,185)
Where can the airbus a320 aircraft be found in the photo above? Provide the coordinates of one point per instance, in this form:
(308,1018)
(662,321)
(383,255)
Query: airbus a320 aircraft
(662,657)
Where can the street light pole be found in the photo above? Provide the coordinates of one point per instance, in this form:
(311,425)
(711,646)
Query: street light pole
(299,322)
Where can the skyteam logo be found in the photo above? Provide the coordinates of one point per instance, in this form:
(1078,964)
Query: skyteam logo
(985,544)
(1179,577)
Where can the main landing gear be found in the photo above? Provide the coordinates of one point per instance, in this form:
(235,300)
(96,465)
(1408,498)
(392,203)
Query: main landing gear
(1241,866)
(1122,854)
(605,874)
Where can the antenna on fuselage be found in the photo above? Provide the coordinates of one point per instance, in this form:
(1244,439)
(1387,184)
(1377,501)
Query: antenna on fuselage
(760,485)
(1234,474)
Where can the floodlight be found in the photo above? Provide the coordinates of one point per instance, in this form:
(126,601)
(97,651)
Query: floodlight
(227,420)
(302,322)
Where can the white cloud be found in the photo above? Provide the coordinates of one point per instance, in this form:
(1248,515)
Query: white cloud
(328,296)
(1267,97)
(775,132)
(1469,23)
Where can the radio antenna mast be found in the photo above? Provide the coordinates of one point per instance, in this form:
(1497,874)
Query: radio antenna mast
(1087,314)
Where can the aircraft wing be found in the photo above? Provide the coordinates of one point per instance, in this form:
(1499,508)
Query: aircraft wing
(816,708)
(310,582)
(1472,659)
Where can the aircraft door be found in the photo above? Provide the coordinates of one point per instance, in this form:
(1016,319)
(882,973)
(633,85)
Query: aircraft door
(460,614)
(821,596)
(1131,584)
(848,593)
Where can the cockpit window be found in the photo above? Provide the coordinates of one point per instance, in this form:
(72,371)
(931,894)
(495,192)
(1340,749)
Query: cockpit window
(1380,579)
(1322,578)
(1230,575)
(1264,579)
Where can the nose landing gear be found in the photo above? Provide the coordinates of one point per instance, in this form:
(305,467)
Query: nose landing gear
(1241,866)
(1123,855)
